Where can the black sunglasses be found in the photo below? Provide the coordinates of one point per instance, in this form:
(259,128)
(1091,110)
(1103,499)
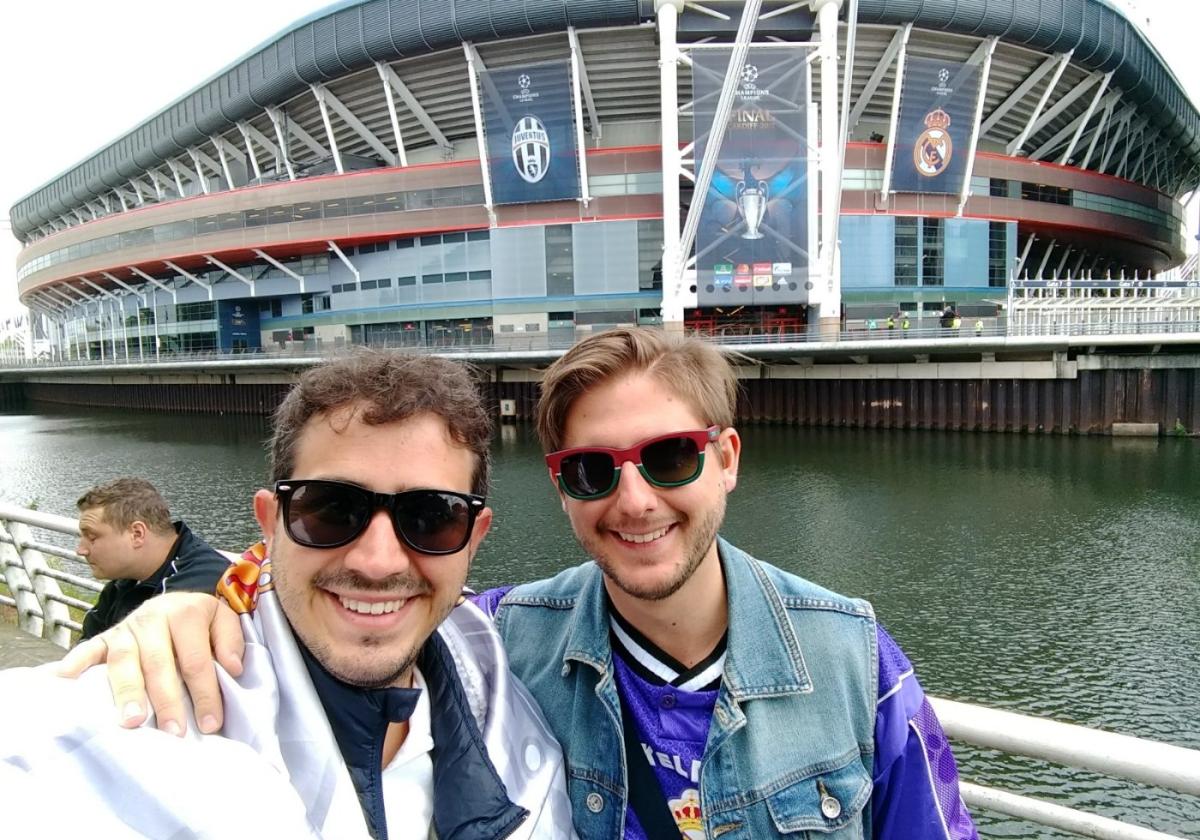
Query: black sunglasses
(329,514)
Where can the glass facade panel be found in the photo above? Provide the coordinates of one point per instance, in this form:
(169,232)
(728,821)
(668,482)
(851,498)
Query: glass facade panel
(560,270)
(906,250)
(650,249)
(998,254)
(933,263)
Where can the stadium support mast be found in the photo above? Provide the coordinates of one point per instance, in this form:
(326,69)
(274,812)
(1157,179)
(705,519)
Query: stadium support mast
(667,12)
(831,165)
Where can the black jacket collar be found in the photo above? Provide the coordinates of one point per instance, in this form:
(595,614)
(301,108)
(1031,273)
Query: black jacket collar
(469,801)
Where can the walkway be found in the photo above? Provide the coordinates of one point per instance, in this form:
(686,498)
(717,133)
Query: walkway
(19,648)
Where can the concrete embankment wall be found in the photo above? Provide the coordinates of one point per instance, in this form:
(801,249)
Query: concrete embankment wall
(12,396)
(1087,395)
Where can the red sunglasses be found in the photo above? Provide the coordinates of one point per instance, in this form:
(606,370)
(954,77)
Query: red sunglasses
(671,460)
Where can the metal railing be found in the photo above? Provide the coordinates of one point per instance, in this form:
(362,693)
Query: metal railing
(993,331)
(42,610)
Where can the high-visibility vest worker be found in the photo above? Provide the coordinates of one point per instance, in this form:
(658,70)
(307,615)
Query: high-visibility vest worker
(979,327)
(891,323)
(904,324)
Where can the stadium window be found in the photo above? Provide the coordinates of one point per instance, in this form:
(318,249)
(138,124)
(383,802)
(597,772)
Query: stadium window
(307,210)
(478,236)
(385,282)
(419,199)
(998,254)
(650,242)
(456,276)
(480,275)
(336,288)
(406,281)
(306,304)
(507,328)
(435,239)
(933,268)
(450,238)
(906,250)
(560,265)
(533,328)
(276,307)
(427,279)
(404,243)
(367,285)
(360,205)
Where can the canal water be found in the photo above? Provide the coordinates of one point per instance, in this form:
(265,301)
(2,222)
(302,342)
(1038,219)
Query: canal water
(1055,576)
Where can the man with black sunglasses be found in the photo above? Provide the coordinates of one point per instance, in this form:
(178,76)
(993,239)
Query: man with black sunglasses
(371,700)
(696,690)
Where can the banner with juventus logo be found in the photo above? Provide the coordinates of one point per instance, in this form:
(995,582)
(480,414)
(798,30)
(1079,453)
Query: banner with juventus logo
(529,124)
(755,238)
(933,134)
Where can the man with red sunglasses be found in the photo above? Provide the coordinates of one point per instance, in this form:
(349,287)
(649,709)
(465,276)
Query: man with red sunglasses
(370,701)
(697,692)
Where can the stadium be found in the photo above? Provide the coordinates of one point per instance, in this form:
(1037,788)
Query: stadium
(466,172)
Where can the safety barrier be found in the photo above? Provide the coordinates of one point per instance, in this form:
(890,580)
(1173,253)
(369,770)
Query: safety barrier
(42,610)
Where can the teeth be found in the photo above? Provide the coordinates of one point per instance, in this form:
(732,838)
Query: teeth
(373,608)
(643,538)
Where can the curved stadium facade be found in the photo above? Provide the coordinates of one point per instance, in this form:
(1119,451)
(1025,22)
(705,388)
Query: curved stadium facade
(433,172)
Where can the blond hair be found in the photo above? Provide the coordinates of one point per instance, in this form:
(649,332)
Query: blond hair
(693,370)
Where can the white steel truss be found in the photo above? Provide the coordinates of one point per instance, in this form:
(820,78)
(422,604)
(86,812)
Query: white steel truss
(299,278)
(1015,146)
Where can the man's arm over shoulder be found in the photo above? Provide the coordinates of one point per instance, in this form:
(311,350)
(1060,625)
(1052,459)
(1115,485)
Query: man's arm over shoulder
(916,778)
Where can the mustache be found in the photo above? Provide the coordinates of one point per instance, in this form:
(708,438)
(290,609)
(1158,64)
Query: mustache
(404,584)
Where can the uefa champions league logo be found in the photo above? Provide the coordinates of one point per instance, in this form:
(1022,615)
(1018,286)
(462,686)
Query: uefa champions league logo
(531,149)
(749,75)
(523,81)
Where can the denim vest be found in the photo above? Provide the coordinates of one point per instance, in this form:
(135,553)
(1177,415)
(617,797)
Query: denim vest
(791,741)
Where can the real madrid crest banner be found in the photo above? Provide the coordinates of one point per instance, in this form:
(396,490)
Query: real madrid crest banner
(753,244)
(529,122)
(933,134)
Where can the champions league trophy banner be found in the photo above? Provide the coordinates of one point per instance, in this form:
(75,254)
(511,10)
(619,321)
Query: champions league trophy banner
(529,123)
(752,246)
(933,134)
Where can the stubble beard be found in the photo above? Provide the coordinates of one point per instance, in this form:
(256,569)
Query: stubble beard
(703,532)
(368,670)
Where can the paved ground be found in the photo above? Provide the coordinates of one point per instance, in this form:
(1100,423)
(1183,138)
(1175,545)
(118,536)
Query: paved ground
(19,648)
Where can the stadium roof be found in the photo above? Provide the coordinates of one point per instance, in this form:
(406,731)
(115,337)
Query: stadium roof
(351,35)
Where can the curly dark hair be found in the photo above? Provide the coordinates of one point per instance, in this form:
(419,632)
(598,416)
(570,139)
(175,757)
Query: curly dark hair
(386,386)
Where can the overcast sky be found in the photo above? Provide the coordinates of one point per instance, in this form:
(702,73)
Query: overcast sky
(77,75)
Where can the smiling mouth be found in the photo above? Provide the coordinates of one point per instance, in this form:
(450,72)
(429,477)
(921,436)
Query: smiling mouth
(372,607)
(641,539)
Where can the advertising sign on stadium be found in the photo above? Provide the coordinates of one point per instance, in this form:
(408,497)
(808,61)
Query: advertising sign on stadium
(529,124)
(753,243)
(933,134)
